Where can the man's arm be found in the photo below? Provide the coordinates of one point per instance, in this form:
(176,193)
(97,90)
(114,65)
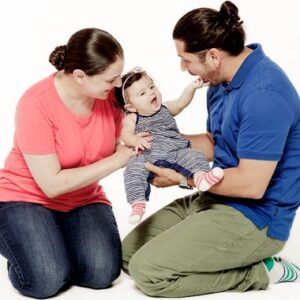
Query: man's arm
(167,177)
(203,142)
(249,180)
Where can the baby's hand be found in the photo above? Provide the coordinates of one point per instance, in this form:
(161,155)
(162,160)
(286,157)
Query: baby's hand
(198,83)
(143,141)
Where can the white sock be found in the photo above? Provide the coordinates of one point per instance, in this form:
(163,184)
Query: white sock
(205,180)
(281,270)
(138,210)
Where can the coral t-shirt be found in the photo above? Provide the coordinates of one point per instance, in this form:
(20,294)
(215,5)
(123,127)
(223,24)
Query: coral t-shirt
(44,125)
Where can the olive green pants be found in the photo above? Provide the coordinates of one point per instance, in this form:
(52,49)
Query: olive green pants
(196,246)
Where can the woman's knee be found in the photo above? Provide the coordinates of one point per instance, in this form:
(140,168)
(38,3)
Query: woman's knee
(41,281)
(100,275)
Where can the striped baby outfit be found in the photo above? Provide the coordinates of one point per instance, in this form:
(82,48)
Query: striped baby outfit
(169,149)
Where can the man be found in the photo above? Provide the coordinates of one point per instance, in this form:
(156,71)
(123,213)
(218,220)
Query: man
(225,239)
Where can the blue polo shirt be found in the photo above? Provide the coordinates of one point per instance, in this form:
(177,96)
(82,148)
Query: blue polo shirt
(257,116)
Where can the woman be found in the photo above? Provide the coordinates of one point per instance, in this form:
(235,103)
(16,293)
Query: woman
(56,224)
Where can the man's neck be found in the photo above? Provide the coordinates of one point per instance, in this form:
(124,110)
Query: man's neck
(231,64)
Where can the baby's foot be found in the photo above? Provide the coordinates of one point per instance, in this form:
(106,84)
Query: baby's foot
(205,180)
(138,210)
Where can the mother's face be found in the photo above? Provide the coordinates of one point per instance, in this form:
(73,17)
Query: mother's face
(99,86)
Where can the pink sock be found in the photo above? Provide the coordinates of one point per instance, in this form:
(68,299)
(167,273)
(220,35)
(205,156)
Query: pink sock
(205,180)
(138,210)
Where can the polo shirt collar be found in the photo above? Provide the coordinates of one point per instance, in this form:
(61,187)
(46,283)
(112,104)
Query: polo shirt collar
(252,59)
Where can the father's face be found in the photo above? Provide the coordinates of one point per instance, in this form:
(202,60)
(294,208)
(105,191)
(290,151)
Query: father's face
(191,62)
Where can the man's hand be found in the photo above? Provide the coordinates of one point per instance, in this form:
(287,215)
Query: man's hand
(164,177)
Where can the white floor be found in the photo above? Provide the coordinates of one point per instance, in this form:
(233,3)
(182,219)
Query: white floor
(124,287)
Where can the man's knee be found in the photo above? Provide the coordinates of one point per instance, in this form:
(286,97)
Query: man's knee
(144,275)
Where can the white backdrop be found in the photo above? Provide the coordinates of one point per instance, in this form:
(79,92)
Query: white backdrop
(31,29)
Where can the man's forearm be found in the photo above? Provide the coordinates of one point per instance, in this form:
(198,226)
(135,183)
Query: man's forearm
(202,142)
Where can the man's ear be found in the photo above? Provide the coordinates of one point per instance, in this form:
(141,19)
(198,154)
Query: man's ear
(213,56)
(130,108)
(78,75)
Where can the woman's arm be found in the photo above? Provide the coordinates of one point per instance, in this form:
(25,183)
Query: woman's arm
(54,181)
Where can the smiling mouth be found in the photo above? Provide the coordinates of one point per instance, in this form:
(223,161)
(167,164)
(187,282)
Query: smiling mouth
(154,101)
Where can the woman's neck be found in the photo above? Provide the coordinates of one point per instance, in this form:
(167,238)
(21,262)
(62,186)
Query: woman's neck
(71,95)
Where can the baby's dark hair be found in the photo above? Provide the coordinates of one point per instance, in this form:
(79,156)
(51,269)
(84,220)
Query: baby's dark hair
(128,80)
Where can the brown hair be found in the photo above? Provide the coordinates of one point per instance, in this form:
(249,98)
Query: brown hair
(205,28)
(91,50)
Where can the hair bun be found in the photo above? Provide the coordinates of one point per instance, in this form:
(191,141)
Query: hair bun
(58,57)
(230,14)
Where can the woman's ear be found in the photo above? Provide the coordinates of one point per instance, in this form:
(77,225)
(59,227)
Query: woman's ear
(129,107)
(78,75)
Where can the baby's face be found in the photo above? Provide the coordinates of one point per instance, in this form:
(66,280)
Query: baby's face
(144,96)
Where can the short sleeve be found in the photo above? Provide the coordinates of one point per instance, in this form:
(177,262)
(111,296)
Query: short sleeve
(266,118)
(34,131)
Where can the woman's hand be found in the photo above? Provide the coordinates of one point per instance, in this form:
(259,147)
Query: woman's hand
(142,141)
(164,177)
(123,154)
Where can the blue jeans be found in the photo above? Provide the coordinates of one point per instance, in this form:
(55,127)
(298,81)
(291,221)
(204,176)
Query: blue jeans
(47,250)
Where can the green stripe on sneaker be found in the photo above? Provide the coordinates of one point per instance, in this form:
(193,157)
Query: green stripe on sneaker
(296,267)
(289,273)
(269,263)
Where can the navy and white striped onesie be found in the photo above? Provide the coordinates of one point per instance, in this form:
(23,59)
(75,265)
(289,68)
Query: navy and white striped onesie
(168,149)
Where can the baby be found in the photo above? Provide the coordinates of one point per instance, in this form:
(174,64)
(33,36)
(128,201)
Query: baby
(150,127)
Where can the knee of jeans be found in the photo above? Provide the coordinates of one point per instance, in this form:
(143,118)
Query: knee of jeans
(100,276)
(41,283)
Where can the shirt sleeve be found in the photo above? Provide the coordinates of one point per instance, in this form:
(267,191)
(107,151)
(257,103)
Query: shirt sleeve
(265,121)
(34,131)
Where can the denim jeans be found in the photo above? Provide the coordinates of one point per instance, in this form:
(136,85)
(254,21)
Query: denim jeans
(47,250)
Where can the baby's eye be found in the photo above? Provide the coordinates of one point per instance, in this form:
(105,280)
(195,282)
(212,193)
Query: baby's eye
(152,86)
(142,93)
